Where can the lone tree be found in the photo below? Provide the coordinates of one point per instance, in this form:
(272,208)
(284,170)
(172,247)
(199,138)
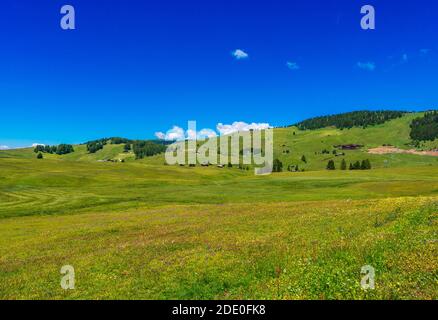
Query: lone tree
(365,165)
(356,165)
(331,165)
(303,158)
(277,166)
(343,165)
(40,155)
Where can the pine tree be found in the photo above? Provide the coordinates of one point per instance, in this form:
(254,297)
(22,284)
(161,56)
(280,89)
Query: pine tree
(277,166)
(356,165)
(127,147)
(331,165)
(303,158)
(343,165)
(40,156)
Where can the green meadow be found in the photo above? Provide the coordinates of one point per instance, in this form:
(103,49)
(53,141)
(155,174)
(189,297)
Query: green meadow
(145,230)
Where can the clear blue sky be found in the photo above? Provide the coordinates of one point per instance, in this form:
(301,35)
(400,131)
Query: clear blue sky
(132,68)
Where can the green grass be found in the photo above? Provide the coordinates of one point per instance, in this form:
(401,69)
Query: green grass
(36,187)
(295,250)
(141,229)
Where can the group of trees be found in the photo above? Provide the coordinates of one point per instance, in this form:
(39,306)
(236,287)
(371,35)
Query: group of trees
(350,119)
(425,128)
(294,168)
(146,148)
(96,145)
(141,148)
(358,165)
(59,149)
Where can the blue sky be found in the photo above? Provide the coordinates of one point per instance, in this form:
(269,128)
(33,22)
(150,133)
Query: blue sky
(132,68)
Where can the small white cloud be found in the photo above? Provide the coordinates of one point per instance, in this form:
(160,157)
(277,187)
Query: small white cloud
(238,126)
(368,66)
(176,133)
(292,65)
(240,54)
(4,148)
(404,58)
(160,135)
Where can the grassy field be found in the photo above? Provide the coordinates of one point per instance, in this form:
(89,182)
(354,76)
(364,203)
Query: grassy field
(141,229)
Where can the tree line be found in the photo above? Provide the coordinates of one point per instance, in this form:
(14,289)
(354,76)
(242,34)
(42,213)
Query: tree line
(147,148)
(425,128)
(358,165)
(59,149)
(350,119)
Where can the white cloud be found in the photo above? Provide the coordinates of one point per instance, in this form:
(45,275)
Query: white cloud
(240,126)
(191,134)
(206,133)
(404,58)
(4,148)
(368,66)
(292,65)
(240,54)
(176,133)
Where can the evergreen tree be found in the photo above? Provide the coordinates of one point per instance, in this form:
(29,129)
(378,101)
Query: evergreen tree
(331,165)
(303,158)
(351,166)
(356,165)
(127,147)
(38,148)
(350,119)
(365,165)
(277,166)
(230,165)
(343,165)
(368,164)
(426,127)
(40,156)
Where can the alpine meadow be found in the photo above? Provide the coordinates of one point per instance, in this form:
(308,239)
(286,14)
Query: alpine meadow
(134,227)
(231,159)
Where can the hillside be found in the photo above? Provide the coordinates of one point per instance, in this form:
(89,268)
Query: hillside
(142,229)
(291,143)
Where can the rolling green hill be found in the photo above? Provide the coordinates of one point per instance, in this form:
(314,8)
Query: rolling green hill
(291,143)
(144,230)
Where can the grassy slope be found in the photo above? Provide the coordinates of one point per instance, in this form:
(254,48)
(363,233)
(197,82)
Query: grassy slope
(309,142)
(143,230)
(31,186)
(309,250)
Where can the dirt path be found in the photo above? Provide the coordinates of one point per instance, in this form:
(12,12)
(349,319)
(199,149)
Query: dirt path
(391,149)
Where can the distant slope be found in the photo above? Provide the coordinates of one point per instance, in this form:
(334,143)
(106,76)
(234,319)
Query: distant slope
(350,119)
(311,143)
(291,143)
(109,151)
